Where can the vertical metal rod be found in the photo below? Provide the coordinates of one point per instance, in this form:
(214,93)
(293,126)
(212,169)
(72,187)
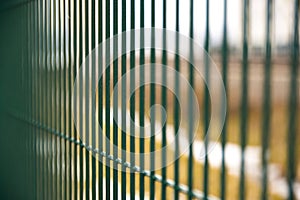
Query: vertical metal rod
(152,102)
(58,99)
(32,97)
(29,75)
(224,102)
(26,76)
(43,42)
(86,113)
(293,101)
(27,87)
(107,98)
(21,88)
(50,47)
(115,100)
(68,101)
(164,104)
(77,153)
(44,62)
(142,100)
(38,105)
(132,100)
(244,100)
(72,103)
(81,114)
(206,105)
(25,83)
(53,90)
(176,106)
(62,101)
(74,58)
(266,103)
(31,79)
(36,101)
(65,162)
(100,98)
(123,101)
(41,97)
(86,50)
(190,103)
(92,16)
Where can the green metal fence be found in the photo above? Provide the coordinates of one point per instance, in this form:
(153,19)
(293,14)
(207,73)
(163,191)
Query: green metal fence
(43,44)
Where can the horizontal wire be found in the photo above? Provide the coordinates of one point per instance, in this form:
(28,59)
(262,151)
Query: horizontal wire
(170,183)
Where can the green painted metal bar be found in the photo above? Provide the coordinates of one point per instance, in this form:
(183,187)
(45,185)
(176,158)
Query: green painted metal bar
(54,99)
(24,72)
(62,100)
(58,100)
(25,76)
(60,96)
(100,99)
(224,76)
(72,71)
(75,28)
(123,103)
(152,102)
(176,106)
(206,105)
(87,115)
(73,53)
(190,103)
(45,46)
(142,101)
(107,98)
(78,152)
(36,101)
(42,89)
(32,97)
(267,102)
(293,105)
(53,90)
(50,46)
(39,104)
(63,72)
(93,44)
(66,104)
(244,100)
(132,100)
(30,94)
(115,99)
(58,103)
(67,101)
(164,103)
(29,70)
(69,90)
(23,83)
(80,88)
